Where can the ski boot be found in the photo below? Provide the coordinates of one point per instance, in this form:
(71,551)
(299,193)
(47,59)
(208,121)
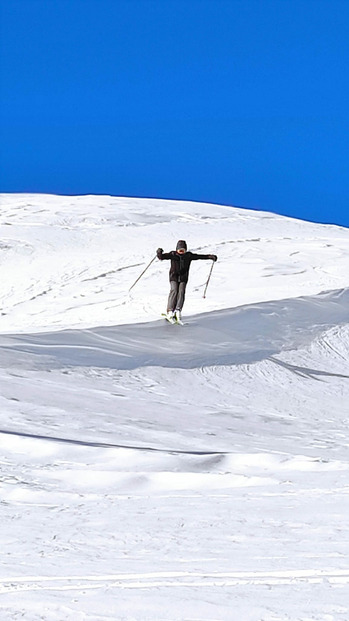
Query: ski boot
(178,317)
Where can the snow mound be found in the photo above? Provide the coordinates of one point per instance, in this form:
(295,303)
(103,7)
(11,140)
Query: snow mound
(151,471)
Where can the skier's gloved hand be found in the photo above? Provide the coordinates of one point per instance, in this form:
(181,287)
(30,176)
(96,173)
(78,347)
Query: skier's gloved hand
(213,257)
(159,251)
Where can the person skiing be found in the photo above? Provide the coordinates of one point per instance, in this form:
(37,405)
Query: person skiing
(180,259)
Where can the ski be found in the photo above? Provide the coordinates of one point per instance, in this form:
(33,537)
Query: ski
(172,320)
(169,319)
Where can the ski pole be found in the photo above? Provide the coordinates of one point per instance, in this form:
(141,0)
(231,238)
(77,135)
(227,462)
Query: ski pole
(139,277)
(208,280)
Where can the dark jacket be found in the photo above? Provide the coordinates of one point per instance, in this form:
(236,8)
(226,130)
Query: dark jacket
(180,263)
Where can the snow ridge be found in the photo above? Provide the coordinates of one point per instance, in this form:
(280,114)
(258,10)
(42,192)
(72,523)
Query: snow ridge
(150,471)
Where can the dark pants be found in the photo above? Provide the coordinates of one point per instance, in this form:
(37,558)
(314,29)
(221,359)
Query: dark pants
(177,295)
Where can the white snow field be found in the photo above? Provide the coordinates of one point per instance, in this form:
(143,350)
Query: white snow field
(154,472)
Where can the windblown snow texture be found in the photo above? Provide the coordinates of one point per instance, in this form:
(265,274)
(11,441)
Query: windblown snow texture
(151,471)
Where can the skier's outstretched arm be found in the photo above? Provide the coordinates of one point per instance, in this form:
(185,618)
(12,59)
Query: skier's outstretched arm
(163,255)
(195,257)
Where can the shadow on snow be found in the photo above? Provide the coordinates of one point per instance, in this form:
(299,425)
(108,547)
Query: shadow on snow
(234,336)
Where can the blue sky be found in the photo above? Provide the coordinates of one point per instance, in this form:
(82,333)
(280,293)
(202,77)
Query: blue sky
(239,102)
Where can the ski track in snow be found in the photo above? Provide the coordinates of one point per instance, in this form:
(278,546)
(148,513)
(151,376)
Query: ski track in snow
(171,579)
(153,472)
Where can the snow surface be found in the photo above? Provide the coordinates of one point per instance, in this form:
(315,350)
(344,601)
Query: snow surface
(158,472)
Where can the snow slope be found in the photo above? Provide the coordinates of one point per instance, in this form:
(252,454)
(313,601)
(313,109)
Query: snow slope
(151,471)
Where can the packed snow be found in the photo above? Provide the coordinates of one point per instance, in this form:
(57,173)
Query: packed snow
(151,471)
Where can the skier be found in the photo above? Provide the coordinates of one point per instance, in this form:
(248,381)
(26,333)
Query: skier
(179,273)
